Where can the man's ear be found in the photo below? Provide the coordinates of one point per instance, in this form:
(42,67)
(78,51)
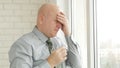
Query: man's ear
(41,19)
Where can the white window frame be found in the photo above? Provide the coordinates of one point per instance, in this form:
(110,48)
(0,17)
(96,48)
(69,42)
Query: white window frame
(83,9)
(91,20)
(92,34)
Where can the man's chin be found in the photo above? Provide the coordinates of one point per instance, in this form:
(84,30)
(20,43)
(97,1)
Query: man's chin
(53,35)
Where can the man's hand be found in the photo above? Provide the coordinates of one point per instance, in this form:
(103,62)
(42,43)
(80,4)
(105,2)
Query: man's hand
(57,56)
(61,18)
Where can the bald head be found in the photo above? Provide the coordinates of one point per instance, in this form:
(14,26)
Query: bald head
(47,8)
(46,20)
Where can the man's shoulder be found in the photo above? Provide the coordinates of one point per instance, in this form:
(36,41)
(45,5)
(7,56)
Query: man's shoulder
(22,45)
(27,38)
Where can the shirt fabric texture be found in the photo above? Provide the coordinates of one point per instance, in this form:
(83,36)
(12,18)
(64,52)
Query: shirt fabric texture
(31,51)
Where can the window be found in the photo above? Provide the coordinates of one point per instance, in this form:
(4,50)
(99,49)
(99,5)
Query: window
(108,33)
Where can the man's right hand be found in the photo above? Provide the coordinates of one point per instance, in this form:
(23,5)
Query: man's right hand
(57,56)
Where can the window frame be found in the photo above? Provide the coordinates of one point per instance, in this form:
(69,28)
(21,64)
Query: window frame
(92,34)
(91,20)
(90,49)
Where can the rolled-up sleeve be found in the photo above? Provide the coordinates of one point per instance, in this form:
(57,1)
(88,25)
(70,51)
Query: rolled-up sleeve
(73,55)
(21,56)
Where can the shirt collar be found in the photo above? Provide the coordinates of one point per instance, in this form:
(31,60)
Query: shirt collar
(39,34)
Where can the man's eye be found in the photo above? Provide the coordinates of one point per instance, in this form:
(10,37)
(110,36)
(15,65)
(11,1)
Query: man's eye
(56,20)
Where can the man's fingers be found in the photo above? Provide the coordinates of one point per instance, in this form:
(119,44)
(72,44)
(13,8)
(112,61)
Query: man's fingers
(59,55)
(62,50)
(65,58)
(60,15)
(61,20)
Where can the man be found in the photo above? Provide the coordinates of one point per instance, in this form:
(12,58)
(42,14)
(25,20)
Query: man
(32,50)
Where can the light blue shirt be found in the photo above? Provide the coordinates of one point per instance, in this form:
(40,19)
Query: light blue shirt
(30,51)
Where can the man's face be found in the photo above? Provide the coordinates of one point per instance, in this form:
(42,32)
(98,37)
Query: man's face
(52,25)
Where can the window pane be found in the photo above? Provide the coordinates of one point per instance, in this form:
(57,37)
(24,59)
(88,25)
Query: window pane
(108,25)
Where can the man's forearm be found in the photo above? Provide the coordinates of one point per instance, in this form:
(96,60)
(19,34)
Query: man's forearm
(73,54)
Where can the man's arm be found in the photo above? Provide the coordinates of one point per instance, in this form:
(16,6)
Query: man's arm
(61,18)
(21,56)
(73,55)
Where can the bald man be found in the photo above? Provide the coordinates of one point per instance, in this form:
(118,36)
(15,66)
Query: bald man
(32,49)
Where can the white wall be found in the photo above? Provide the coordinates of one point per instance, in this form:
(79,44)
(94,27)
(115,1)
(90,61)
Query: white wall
(17,17)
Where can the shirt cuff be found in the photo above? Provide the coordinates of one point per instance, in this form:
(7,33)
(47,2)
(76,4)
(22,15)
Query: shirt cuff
(68,38)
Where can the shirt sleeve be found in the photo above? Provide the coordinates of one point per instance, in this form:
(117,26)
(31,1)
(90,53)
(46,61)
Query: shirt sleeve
(73,55)
(21,56)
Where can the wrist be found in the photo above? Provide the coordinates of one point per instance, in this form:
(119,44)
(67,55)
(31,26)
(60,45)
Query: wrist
(67,33)
(51,62)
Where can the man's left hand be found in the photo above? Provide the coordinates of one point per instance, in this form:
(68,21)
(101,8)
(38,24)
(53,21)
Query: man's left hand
(61,18)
